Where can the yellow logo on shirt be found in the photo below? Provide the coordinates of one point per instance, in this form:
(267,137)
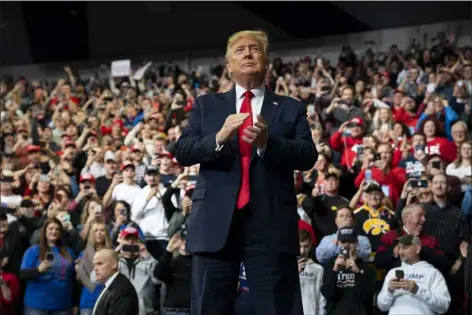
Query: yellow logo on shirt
(375,226)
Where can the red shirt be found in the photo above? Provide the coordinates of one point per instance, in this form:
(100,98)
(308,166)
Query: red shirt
(443,147)
(7,306)
(344,144)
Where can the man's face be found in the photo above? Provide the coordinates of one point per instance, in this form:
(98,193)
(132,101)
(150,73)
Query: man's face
(247,58)
(408,253)
(459,134)
(331,185)
(110,166)
(166,163)
(152,179)
(418,140)
(129,172)
(305,248)
(439,186)
(347,95)
(27,212)
(104,267)
(385,153)
(344,218)
(137,156)
(374,198)
(415,220)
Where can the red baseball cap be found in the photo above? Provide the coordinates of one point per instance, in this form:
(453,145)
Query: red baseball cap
(165,154)
(356,121)
(127,164)
(129,231)
(135,148)
(87,177)
(33,148)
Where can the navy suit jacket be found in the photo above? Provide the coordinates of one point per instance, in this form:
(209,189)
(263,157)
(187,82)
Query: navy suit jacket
(273,199)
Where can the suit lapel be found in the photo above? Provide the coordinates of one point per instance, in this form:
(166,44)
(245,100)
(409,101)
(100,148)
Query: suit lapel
(269,110)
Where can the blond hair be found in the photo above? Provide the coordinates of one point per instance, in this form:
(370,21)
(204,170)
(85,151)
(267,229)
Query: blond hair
(258,35)
(91,237)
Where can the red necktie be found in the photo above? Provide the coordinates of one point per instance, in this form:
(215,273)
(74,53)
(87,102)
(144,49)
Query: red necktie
(245,150)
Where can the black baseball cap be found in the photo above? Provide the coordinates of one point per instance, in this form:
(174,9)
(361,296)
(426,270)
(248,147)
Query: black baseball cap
(151,169)
(373,187)
(347,235)
(27,203)
(332,174)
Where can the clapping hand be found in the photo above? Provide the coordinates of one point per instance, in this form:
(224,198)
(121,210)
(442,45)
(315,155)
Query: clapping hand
(257,134)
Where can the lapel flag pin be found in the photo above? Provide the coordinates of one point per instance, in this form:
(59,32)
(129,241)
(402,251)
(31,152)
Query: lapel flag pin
(275,103)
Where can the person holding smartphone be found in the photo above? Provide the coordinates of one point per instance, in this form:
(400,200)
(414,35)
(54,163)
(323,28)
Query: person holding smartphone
(138,266)
(348,282)
(416,287)
(48,270)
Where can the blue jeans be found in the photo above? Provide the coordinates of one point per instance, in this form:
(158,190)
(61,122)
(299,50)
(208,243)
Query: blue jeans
(86,311)
(34,311)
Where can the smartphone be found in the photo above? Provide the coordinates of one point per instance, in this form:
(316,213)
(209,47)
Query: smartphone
(67,218)
(344,252)
(377,156)
(130,248)
(49,257)
(430,88)
(87,187)
(123,212)
(420,148)
(360,151)
(419,184)
(436,165)
(399,274)
(368,175)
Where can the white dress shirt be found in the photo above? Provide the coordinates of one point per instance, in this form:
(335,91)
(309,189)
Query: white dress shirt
(107,284)
(256,107)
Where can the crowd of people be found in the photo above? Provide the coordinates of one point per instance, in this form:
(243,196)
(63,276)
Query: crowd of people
(384,213)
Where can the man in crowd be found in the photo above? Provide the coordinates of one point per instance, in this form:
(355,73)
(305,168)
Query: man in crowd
(103,182)
(321,209)
(256,223)
(311,278)
(416,287)
(126,189)
(148,211)
(119,296)
(348,282)
(174,269)
(414,219)
(329,247)
(138,266)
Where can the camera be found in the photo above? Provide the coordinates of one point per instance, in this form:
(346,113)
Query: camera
(419,184)
(130,248)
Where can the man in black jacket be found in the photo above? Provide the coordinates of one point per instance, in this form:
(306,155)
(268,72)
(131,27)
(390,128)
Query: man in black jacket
(348,283)
(119,296)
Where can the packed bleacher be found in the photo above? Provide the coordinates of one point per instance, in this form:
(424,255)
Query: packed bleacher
(88,163)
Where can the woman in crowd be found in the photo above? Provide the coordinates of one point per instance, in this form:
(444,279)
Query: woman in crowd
(121,220)
(48,270)
(92,209)
(462,167)
(98,238)
(435,143)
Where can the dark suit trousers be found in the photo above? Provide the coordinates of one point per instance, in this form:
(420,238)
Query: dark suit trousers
(272,277)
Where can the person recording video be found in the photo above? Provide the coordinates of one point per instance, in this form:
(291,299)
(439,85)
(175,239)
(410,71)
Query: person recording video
(138,266)
(174,269)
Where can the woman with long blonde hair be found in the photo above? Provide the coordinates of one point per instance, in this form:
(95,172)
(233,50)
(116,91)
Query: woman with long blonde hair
(462,166)
(48,270)
(98,238)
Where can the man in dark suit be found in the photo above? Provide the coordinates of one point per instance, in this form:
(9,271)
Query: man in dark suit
(119,296)
(248,143)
